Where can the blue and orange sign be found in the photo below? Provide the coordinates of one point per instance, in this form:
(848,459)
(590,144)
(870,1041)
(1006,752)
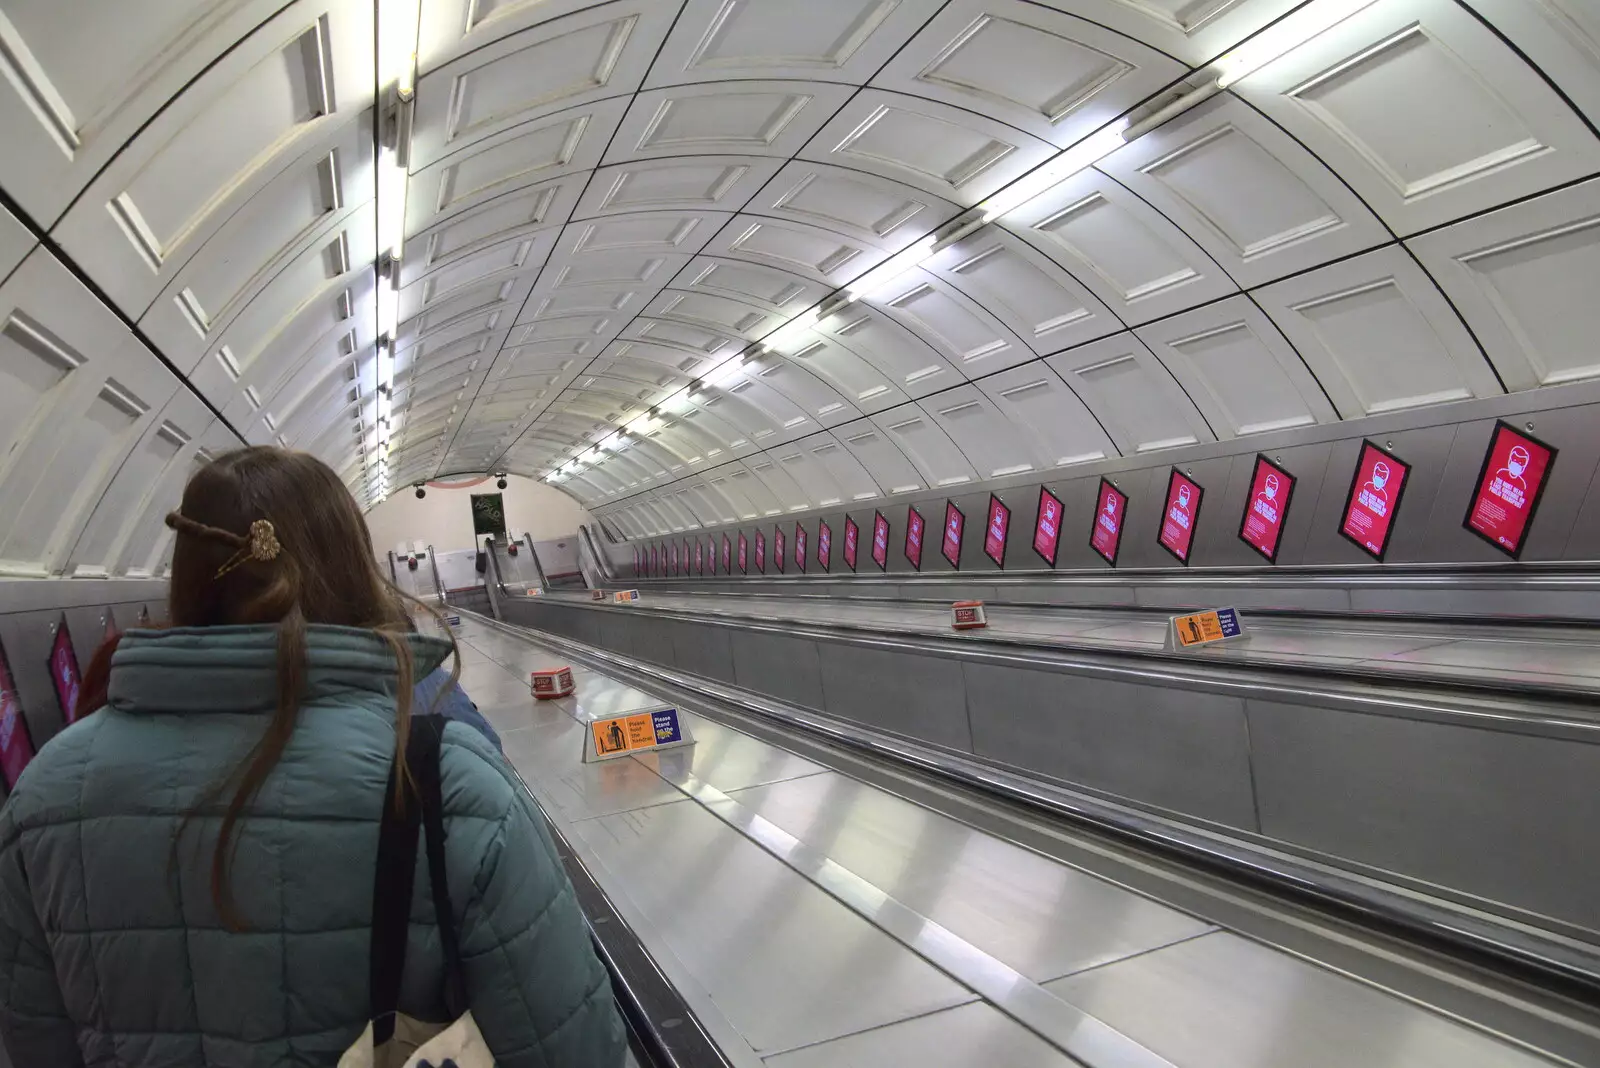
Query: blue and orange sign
(637,732)
(1203,628)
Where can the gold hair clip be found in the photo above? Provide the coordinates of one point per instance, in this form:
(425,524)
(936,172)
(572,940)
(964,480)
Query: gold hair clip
(263,546)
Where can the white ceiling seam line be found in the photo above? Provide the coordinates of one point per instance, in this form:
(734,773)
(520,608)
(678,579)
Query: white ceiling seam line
(1284,36)
(1060,168)
(1271,43)
(514,436)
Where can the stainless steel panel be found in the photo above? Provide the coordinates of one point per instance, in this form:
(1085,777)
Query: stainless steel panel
(787,964)
(499,688)
(1112,593)
(1149,635)
(779,666)
(653,637)
(1506,816)
(1040,917)
(727,759)
(1330,646)
(1544,661)
(956,1038)
(550,759)
(703,650)
(616,629)
(1223,1002)
(597,696)
(917,696)
(1473,603)
(1170,597)
(1188,752)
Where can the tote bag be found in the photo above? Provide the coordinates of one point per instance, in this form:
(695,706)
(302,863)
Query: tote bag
(392,1040)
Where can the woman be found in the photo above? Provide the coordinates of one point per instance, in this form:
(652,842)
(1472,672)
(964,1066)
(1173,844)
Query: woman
(186,877)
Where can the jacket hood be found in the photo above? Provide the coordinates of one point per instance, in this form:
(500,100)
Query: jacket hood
(234,669)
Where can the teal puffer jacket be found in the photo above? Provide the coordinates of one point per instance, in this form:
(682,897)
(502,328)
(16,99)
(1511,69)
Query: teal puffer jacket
(109,956)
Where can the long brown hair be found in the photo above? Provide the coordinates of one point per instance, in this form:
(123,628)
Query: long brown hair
(324,573)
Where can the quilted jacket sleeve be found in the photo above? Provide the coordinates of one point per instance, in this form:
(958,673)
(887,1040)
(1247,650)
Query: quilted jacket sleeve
(33,1018)
(538,992)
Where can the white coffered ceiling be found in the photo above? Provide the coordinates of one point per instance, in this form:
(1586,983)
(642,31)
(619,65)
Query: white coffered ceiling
(630,226)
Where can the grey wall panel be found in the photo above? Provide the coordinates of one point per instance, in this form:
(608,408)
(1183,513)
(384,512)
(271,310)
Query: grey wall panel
(654,637)
(1212,525)
(1019,535)
(777,665)
(864,566)
(835,521)
(916,696)
(810,527)
(616,631)
(704,650)
(1444,444)
(1077,513)
(586,625)
(1308,464)
(1508,816)
(633,629)
(1146,488)
(28,635)
(1427,450)
(1571,431)
(1187,752)
(1584,541)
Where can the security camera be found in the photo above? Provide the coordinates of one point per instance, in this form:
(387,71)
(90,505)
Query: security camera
(421,493)
(501,484)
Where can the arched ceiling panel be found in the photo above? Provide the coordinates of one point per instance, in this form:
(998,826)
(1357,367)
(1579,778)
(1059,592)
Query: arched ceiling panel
(1053,75)
(1522,277)
(1042,304)
(1133,395)
(1350,96)
(766,254)
(1138,262)
(1249,194)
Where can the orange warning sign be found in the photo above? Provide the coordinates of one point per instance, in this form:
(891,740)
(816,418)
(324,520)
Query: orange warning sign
(622,735)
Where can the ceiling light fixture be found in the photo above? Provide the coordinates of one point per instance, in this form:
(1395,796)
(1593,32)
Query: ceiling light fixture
(892,268)
(1080,157)
(397,75)
(388,302)
(1284,36)
(722,374)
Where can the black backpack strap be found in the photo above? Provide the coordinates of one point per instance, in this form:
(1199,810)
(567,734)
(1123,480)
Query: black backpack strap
(427,733)
(391,907)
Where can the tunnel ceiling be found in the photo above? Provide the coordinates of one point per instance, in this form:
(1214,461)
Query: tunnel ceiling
(696,260)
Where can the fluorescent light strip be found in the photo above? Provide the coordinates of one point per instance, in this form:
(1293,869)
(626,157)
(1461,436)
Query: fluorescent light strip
(392,182)
(1284,36)
(890,269)
(1080,157)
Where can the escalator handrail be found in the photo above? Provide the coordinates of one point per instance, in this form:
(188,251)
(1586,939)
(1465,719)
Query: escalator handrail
(601,563)
(538,566)
(438,583)
(494,585)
